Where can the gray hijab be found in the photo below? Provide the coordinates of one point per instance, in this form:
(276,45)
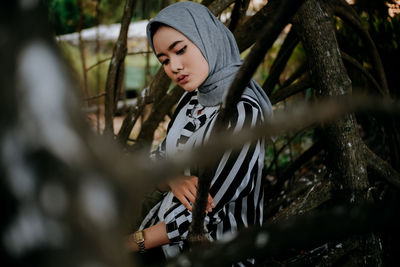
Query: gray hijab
(218,46)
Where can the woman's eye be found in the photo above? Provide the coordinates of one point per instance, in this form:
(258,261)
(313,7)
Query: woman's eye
(165,62)
(181,51)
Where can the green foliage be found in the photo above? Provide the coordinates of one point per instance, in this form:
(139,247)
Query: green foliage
(285,149)
(64,14)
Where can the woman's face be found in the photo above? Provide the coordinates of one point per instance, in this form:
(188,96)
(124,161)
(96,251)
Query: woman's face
(182,60)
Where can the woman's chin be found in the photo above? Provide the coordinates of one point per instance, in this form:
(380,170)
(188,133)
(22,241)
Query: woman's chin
(189,88)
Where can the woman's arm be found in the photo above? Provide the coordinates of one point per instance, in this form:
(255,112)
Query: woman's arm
(154,236)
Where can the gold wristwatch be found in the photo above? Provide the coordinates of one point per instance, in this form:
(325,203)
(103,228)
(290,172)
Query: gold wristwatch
(138,236)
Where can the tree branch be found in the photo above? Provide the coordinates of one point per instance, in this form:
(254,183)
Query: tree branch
(159,110)
(283,93)
(109,58)
(115,70)
(216,7)
(238,12)
(130,121)
(280,62)
(295,75)
(311,199)
(381,168)
(361,68)
(344,11)
(248,32)
(302,159)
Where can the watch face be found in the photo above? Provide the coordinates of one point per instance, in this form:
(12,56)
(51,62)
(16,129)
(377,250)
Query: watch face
(139,236)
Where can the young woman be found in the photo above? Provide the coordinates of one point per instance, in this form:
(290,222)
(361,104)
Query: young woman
(200,54)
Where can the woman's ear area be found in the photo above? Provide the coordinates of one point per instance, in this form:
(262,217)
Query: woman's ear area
(153,28)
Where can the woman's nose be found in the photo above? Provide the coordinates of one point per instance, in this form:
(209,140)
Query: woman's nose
(176,65)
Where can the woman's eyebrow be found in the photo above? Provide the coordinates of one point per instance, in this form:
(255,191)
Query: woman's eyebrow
(170,47)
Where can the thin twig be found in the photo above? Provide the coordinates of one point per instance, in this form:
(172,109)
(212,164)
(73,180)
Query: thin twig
(361,68)
(346,12)
(283,93)
(280,62)
(109,58)
(94,97)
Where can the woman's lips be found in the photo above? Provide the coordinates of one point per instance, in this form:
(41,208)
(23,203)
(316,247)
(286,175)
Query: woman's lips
(182,79)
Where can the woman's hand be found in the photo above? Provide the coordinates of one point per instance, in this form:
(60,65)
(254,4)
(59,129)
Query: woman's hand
(185,188)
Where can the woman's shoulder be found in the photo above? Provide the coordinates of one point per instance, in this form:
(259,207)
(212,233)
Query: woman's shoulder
(248,113)
(249,106)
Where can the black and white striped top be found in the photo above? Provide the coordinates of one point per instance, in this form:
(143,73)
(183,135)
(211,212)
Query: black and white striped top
(237,183)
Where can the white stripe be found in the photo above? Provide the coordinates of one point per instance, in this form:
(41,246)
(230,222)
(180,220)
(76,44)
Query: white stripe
(246,177)
(261,207)
(241,117)
(255,103)
(186,133)
(221,165)
(244,212)
(220,230)
(231,215)
(232,174)
(173,234)
(255,115)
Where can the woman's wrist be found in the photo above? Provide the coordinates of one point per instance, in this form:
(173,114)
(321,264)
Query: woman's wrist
(164,187)
(131,244)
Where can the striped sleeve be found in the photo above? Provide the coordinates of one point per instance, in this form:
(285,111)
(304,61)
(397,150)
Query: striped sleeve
(234,181)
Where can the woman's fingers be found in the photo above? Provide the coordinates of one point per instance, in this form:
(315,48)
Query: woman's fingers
(210,203)
(185,190)
(192,186)
(190,196)
(185,202)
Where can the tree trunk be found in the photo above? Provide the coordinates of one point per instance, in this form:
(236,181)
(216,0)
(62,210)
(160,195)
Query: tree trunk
(116,69)
(344,144)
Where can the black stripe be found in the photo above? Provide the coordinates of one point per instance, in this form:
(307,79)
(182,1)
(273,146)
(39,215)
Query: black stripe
(190,127)
(172,208)
(181,104)
(239,176)
(238,213)
(183,227)
(207,129)
(182,140)
(252,102)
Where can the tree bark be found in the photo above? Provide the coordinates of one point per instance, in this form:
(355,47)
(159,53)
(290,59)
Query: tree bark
(329,77)
(348,168)
(115,71)
(238,12)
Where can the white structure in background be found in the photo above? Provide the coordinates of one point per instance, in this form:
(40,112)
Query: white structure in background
(110,33)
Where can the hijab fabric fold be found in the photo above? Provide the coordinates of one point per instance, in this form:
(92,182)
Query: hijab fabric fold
(218,46)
